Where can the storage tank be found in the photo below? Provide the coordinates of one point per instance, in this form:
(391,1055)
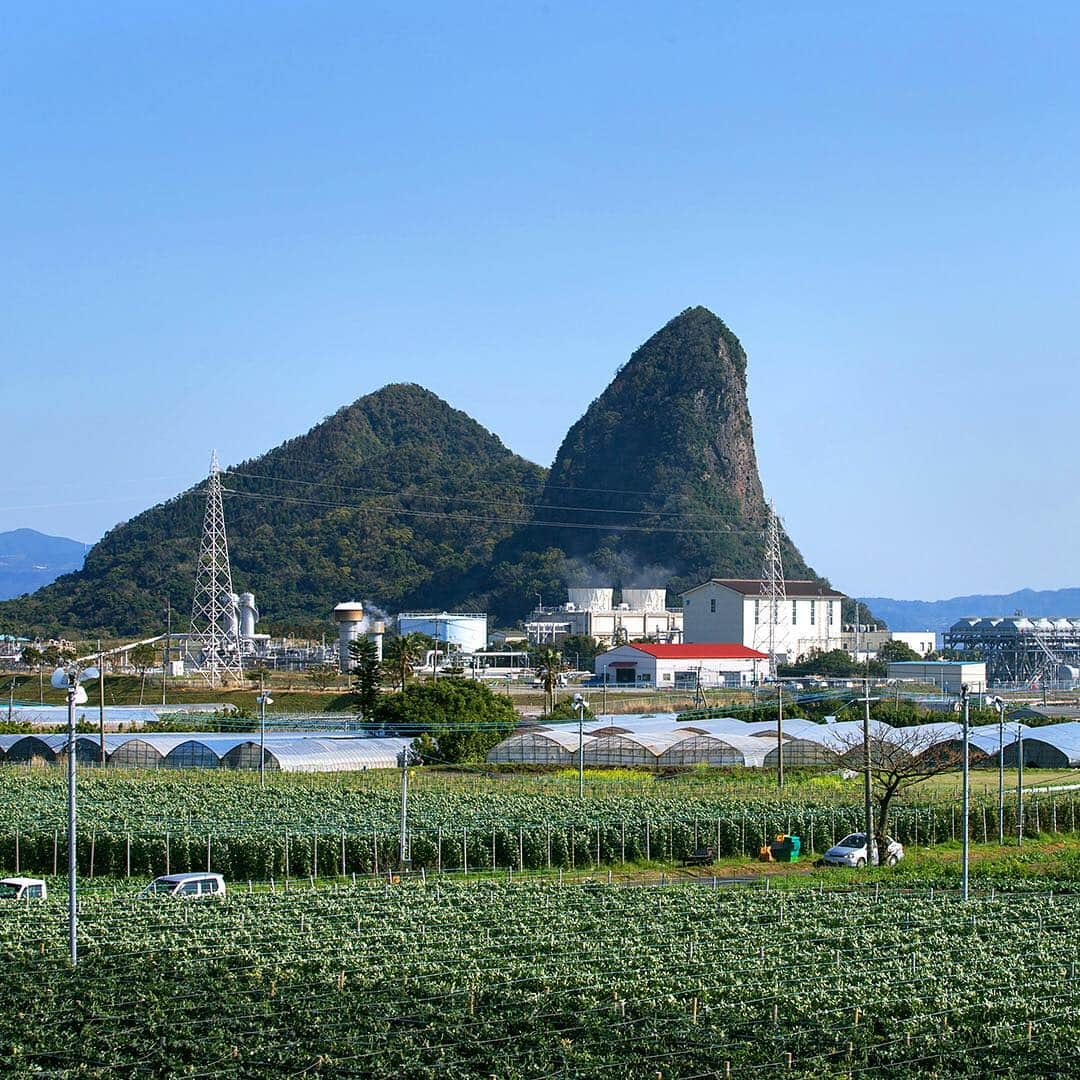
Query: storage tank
(591,599)
(249,615)
(466,630)
(351,625)
(230,612)
(645,599)
(378,629)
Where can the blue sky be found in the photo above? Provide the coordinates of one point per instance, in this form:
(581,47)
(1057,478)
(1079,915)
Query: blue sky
(223,222)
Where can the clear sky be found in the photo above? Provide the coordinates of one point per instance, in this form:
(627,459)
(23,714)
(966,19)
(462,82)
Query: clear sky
(221,222)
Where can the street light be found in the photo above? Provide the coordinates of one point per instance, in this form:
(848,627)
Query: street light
(579,705)
(999,704)
(263,699)
(69,680)
(965,798)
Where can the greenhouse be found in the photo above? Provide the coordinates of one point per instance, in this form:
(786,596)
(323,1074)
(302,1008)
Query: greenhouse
(548,747)
(631,749)
(319,755)
(716,750)
(803,752)
(1054,746)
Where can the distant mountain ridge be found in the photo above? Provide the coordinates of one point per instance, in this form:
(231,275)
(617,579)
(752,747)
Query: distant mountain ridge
(939,615)
(403,500)
(30,559)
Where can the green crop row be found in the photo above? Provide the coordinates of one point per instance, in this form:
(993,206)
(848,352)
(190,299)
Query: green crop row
(515,981)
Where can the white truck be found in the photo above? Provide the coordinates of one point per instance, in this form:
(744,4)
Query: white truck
(23,888)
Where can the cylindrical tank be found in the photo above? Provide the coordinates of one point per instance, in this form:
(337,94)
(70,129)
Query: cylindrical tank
(645,599)
(350,623)
(230,612)
(591,599)
(249,615)
(378,629)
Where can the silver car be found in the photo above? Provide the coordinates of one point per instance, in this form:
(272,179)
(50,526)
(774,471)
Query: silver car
(851,851)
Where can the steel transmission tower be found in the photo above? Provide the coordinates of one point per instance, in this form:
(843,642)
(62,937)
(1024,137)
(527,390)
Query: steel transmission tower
(214,642)
(772,603)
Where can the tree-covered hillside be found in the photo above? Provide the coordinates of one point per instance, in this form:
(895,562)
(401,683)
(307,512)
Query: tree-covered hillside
(393,498)
(403,500)
(657,483)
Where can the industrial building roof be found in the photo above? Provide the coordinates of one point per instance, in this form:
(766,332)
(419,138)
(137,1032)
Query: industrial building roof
(752,586)
(704,651)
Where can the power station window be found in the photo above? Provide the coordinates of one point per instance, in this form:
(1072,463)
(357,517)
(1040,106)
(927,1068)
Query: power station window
(712,606)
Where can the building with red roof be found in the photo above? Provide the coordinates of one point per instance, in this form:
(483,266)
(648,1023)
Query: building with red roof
(682,667)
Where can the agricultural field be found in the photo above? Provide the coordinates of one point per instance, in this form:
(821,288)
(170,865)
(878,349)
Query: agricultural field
(531,980)
(133,824)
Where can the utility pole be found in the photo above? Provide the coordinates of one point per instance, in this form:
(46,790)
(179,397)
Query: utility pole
(403,839)
(1019,785)
(168,647)
(11,699)
(999,704)
(579,705)
(868,804)
(101,699)
(73,910)
(780,736)
(965,799)
(263,699)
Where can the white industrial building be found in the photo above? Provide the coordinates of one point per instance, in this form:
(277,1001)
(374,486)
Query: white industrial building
(681,667)
(593,612)
(733,609)
(948,675)
(865,644)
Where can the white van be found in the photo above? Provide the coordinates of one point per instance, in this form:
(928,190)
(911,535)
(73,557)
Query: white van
(23,888)
(186,886)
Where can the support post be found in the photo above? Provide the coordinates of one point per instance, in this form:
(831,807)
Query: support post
(965,799)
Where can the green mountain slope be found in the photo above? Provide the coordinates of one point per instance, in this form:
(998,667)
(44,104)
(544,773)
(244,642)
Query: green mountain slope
(656,484)
(395,497)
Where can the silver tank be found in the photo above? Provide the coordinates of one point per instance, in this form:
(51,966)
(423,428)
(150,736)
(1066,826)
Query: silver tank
(591,599)
(249,615)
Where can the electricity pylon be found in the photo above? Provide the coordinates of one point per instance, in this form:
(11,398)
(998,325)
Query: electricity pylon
(214,641)
(772,602)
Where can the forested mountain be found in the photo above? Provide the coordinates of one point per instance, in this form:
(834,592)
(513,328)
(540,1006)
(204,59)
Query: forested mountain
(395,497)
(401,499)
(657,484)
(30,559)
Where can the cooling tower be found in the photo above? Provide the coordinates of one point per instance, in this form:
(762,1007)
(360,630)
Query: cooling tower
(645,599)
(591,599)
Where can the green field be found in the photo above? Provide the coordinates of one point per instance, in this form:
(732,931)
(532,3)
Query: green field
(528,980)
(339,824)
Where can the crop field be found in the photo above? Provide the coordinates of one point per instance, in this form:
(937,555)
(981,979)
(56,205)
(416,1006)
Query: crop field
(139,824)
(526,980)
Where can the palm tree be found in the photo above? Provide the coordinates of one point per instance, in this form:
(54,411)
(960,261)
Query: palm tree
(401,653)
(550,664)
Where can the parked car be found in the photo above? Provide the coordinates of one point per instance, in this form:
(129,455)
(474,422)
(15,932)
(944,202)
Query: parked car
(23,888)
(186,886)
(851,851)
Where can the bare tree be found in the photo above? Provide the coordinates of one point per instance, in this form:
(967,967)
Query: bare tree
(900,759)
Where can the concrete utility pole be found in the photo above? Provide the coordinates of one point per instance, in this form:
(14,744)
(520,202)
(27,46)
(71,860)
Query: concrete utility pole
(403,838)
(579,705)
(965,800)
(868,802)
(999,704)
(1019,785)
(780,735)
(101,701)
(168,648)
(73,946)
